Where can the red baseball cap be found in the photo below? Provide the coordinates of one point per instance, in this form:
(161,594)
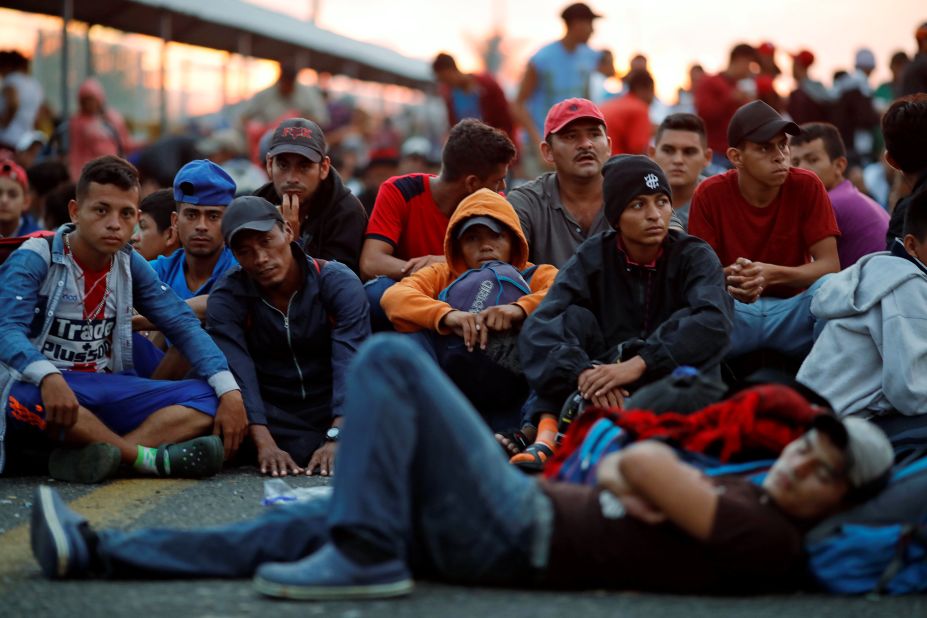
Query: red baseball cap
(11,169)
(766,49)
(805,58)
(566,111)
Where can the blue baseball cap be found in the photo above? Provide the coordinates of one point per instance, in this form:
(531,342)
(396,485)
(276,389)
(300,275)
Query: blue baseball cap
(203,183)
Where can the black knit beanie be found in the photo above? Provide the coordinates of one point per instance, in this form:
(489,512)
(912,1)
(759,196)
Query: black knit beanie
(626,177)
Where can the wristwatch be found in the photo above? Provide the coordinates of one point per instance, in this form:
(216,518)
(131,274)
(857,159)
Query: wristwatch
(332,434)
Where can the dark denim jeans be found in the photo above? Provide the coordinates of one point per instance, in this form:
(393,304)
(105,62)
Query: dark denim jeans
(379,322)
(418,473)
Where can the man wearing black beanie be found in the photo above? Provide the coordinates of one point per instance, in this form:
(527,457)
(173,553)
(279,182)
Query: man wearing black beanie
(633,304)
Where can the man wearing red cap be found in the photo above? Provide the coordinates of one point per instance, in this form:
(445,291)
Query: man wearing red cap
(915,75)
(14,189)
(561,209)
(811,100)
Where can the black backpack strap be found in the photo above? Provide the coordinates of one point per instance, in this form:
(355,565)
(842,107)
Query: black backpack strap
(529,272)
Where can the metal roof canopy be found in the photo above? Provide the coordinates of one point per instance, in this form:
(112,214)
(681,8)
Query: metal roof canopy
(239,27)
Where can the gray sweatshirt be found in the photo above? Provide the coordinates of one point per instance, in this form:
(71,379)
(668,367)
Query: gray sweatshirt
(871,356)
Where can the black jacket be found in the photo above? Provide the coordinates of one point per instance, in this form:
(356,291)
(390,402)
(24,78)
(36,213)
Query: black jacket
(295,363)
(676,313)
(336,221)
(896,223)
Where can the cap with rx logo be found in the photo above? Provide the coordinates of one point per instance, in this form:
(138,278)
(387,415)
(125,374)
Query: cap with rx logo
(298,136)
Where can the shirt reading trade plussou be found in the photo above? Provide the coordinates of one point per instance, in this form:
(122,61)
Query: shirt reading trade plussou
(81,334)
(753,546)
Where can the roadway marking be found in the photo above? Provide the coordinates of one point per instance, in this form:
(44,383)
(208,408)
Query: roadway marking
(117,504)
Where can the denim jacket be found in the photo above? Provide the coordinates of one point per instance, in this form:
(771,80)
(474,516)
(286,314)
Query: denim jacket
(31,284)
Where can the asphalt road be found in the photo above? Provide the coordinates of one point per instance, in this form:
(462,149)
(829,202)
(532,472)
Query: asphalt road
(234,495)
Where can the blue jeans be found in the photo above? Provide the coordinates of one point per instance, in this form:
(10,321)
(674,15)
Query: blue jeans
(418,474)
(497,394)
(374,289)
(782,324)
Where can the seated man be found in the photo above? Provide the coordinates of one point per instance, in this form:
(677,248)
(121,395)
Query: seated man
(681,150)
(773,228)
(156,235)
(904,126)
(326,218)
(417,464)
(289,325)
(66,364)
(202,190)
(862,222)
(483,230)
(411,214)
(871,356)
(631,306)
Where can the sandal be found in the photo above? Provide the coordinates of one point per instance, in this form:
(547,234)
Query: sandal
(533,458)
(519,441)
(195,459)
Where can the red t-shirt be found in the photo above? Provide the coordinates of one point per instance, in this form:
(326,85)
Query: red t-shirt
(406,216)
(781,233)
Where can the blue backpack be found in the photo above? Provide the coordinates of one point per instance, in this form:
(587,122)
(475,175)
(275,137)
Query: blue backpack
(879,546)
(493,283)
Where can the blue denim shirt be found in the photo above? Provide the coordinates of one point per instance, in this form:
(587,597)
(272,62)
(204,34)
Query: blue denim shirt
(31,283)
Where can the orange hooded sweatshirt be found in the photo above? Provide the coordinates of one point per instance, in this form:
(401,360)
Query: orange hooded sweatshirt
(412,304)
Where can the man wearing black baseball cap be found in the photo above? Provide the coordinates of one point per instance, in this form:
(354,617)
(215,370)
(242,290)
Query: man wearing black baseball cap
(326,218)
(632,305)
(288,324)
(774,229)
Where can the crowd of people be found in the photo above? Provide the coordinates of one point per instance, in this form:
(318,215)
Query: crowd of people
(173,330)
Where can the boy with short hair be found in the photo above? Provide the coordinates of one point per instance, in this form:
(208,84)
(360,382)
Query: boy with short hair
(631,306)
(875,314)
(681,150)
(774,230)
(14,192)
(862,222)
(66,363)
(484,242)
(156,236)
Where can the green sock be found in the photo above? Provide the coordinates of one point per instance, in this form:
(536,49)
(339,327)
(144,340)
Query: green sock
(145,461)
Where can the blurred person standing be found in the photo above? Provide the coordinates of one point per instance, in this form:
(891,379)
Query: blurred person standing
(472,95)
(558,71)
(627,118)
(811,101)
(914,79)
(891,90)
(286,96)
(854,112)
(717,97)
(21,99)
(226,148)
(95,130)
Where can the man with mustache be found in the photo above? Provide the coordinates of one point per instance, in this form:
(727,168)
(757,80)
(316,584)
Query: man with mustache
(773,228)
(559,210)
(327,220)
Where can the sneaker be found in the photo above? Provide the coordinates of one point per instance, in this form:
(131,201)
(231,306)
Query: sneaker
(93,463)
(194,459)
(57,543)
(330,575)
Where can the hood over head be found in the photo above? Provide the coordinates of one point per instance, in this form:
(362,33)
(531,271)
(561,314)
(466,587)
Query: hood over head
(485,203)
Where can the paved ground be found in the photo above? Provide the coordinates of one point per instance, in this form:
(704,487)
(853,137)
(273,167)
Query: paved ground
(132,503)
